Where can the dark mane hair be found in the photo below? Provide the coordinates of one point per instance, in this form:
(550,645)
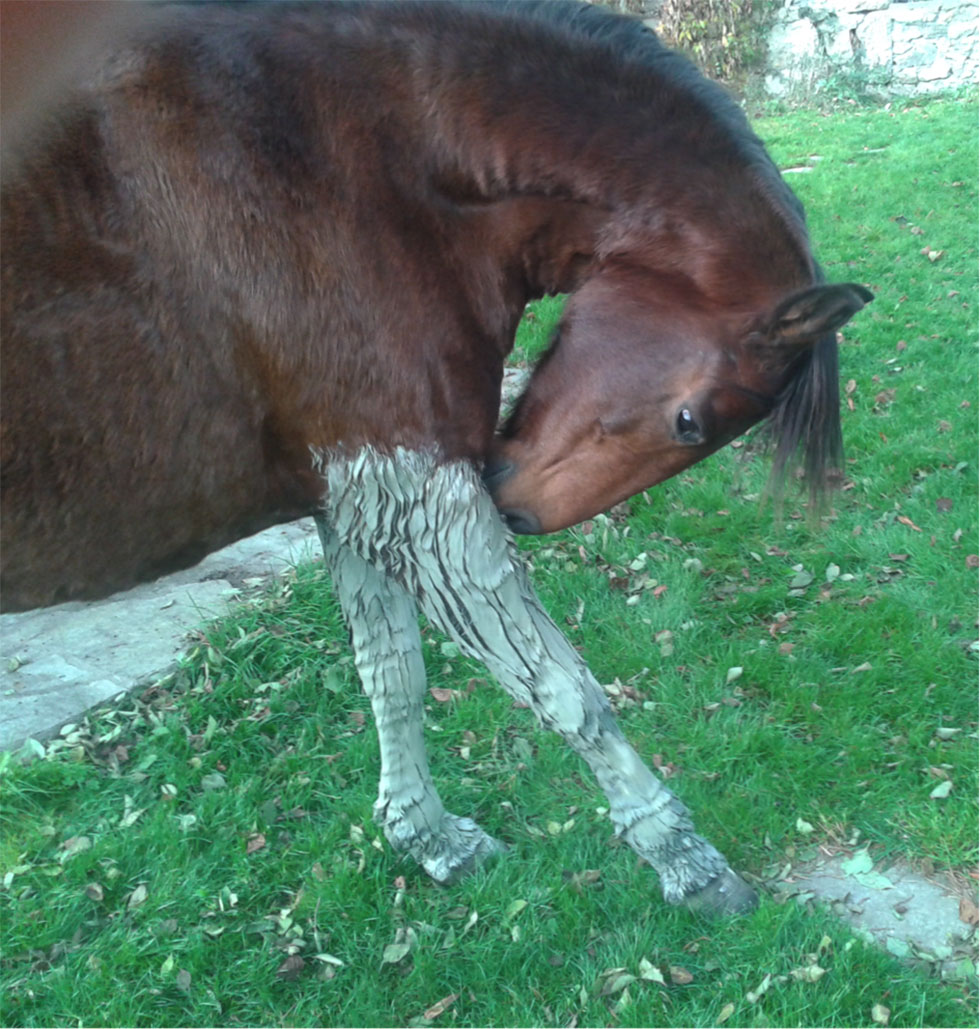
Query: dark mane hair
(803,429)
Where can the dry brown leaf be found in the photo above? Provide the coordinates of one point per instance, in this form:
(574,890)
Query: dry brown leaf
(680,976)
(577,881)
(443,696)
(969,912)
(291,967)
(255,842)
(439,1007)
(909,523)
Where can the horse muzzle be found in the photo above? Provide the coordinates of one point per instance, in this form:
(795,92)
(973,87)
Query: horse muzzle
(496,472)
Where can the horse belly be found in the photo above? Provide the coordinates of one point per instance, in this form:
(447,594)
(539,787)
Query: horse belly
(125,454)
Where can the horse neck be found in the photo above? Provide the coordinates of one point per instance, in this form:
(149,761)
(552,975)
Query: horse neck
(681,185)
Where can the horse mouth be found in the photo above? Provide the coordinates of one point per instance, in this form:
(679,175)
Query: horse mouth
(496,472)
(521,523)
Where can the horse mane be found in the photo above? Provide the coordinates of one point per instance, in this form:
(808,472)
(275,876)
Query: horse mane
(803,428)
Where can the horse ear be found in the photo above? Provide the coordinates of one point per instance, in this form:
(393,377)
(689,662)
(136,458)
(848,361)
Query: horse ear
(804,317)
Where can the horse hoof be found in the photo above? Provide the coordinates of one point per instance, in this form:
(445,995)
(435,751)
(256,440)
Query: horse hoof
(725,895)
(460,848)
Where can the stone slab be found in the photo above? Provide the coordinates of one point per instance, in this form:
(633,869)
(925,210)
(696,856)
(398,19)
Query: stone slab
(58,662)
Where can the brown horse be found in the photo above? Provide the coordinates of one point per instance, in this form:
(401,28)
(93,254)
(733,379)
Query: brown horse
(268,262)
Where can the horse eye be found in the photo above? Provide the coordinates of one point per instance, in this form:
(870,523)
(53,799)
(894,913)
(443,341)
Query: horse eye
(686,425)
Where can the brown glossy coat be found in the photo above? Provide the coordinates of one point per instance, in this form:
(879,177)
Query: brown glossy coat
(260,230)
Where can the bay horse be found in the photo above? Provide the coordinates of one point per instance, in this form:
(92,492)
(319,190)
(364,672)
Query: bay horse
(268,261)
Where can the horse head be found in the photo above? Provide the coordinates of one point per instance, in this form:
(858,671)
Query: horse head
(644,379)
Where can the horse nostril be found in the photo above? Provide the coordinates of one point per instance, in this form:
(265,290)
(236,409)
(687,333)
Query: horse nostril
(522,522)
(495,472)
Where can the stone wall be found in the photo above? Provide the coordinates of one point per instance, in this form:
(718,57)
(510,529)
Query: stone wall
(886,47)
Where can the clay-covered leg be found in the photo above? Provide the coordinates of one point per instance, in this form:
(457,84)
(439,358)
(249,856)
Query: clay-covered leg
(383,621)
(434,528)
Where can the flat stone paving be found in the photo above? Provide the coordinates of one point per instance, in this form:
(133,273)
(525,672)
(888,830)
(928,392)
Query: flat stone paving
(58,662)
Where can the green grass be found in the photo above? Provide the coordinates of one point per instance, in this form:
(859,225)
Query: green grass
(166,863)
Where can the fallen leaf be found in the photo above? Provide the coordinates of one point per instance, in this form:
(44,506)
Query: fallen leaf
(801,580)
(255,842)
(808,974)
(969,912)
(94,891)
(405,940)
(909,523)
(514,908)
(753,995)
(942,790)
(137,897)
(726,1012)
(290,968)
(650,972)
(72,846)
(329,959)
(880,1014)
(866,667)
(183,980)
(131,817)
(680,976)
(615,980)
(577,881)
(443,696)
(213,781)
(861,867)
(439,1007)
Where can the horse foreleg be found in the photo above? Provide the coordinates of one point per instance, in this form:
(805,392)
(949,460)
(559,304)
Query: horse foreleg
(383,621)
(436,530)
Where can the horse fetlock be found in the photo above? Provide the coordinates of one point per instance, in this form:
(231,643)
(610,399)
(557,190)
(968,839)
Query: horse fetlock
(726,894)
(448,851)
(686,862)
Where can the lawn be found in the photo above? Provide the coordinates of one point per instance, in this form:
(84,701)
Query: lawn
(204,854)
